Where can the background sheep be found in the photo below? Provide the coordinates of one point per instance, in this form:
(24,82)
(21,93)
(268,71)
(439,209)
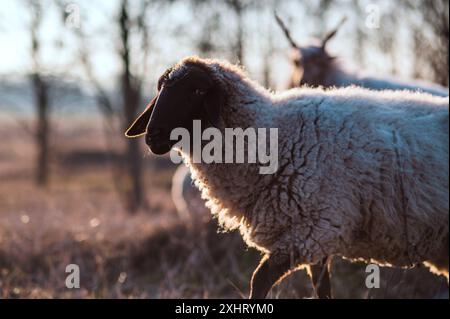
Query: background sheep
(365,176)
(186,197)
(314,66)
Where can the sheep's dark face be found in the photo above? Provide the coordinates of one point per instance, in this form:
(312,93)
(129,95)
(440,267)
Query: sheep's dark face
(312,64)
(184,95)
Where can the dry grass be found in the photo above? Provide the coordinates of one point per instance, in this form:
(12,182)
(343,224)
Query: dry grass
(80,219)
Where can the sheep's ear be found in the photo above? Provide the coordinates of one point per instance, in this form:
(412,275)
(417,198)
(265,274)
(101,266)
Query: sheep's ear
(286,31)
(213,105)
(333,32)
(139,126)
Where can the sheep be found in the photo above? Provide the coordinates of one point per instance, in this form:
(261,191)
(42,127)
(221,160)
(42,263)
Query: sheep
(361,174)
(314,66)
(186,197)
(191,208)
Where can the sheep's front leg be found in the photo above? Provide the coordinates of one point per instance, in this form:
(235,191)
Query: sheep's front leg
(320,277)
(267,274)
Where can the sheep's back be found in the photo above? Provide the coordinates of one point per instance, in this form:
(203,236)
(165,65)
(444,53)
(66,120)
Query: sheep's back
(380,160)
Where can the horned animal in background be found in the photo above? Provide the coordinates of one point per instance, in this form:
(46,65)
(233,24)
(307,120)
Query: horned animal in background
(315,66)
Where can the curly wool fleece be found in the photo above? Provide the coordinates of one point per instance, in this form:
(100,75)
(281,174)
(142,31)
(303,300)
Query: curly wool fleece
(362,174)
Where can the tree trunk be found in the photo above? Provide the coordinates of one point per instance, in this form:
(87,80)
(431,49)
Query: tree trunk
(238,7)
(240,37)
(41,101)
(42,129)
(131,98)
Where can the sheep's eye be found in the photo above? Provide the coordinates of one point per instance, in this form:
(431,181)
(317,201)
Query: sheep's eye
(199,91)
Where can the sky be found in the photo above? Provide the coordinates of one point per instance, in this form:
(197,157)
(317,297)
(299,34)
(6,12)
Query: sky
(59,51)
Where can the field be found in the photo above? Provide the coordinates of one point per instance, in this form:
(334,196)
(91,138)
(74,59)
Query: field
(80,219)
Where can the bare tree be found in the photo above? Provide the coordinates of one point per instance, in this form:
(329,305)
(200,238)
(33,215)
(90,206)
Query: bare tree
(41,97)
(131,90)
(132,73)
(268,50)
(266,67)
(105,106)
(238,7)
(205,43)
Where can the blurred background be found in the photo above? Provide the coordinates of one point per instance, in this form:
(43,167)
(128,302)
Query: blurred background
(74,74)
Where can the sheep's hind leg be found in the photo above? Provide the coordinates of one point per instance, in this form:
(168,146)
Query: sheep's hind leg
(320,277)
(266,275)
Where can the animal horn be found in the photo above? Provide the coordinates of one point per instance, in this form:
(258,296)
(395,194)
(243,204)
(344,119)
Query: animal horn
(333,32)
(286,31)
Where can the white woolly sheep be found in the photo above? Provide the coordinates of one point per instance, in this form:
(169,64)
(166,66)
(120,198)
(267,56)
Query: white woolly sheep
(314,66)
(362,174)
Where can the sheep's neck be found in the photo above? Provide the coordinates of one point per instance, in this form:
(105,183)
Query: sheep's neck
(223,184)
(247,106)
(245,102)
(339,77)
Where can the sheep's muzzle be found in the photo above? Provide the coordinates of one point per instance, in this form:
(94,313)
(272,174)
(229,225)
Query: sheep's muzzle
(157,139)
